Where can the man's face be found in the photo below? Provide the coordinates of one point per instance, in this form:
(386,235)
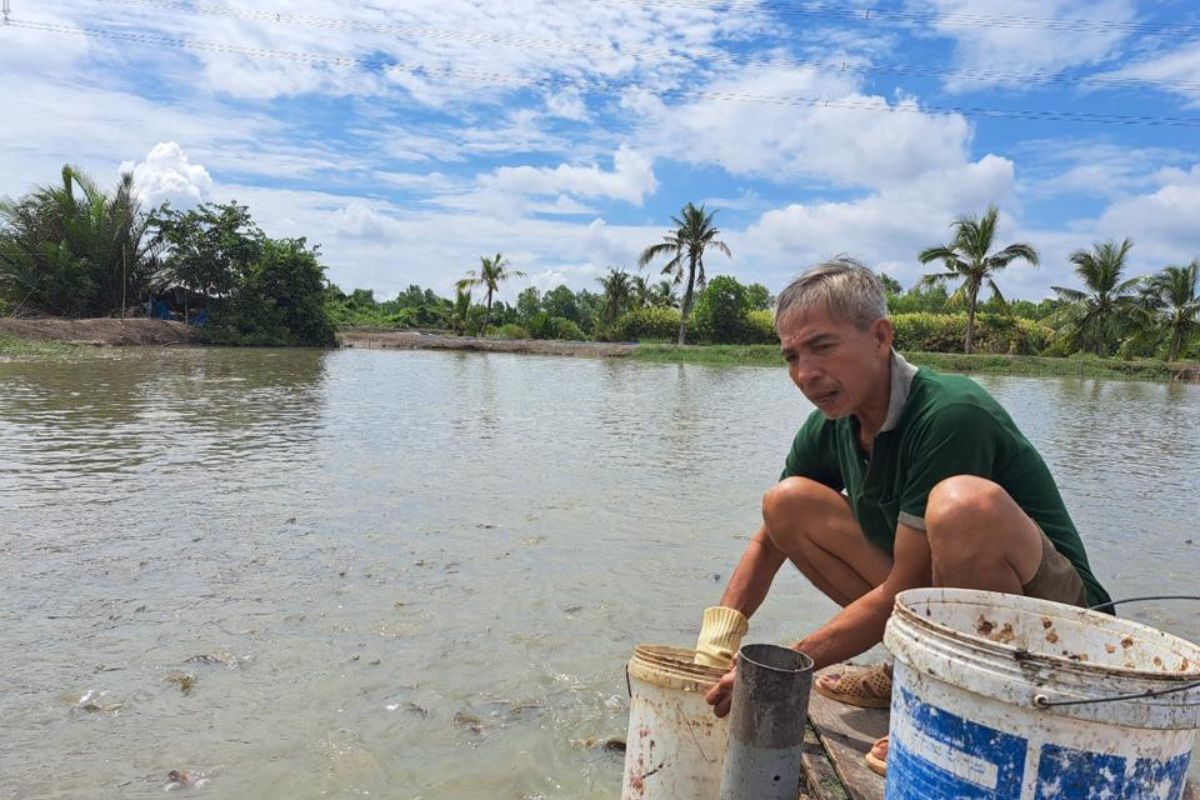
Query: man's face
(839,368)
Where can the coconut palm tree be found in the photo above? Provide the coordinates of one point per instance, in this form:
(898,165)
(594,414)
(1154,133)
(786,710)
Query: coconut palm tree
(968,258)
(618,291)
(1179,309)
(1092,318)
(639,291)
(662,295)
(460,312)
(492,272)
(694,233)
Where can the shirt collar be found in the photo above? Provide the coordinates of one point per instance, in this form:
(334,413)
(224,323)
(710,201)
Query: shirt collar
(902,377)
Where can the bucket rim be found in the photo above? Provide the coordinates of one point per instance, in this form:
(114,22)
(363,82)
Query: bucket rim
(973,596)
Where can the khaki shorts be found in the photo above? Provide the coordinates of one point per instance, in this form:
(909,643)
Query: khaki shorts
(1056,579)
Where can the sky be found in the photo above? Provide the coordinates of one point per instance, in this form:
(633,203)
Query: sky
(410,138)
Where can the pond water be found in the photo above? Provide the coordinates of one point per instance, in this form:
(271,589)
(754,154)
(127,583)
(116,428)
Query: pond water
(418,574)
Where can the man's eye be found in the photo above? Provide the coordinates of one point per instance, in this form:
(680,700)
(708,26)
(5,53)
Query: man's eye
(824,347)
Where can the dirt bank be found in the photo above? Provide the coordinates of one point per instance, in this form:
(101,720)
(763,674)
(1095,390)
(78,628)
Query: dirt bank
(115,332)
(411,340)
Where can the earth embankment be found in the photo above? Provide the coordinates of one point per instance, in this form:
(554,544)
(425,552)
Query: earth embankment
(112,332)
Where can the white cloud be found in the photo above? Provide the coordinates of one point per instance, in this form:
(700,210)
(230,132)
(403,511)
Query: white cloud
(167,174)
(631,179)
(997,45)
(1177,71)
(1162,222)
(356,220)
(885,229)
(858,140)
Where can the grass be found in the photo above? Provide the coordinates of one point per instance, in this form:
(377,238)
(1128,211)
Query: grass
(16,348)
(761,355)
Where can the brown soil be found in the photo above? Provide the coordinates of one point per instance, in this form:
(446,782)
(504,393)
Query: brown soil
(412,340)
(115,332)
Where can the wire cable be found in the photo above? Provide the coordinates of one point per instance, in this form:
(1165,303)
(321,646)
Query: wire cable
(524,42)
(864,104)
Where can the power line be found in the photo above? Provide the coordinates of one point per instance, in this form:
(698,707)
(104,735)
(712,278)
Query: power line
(865,104)
(838,65)
(878,14)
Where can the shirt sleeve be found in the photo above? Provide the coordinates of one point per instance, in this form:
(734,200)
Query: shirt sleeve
(961,439)
(814,454)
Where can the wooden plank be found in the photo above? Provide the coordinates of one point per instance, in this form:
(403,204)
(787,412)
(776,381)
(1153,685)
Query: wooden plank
(819,775)
(847,733)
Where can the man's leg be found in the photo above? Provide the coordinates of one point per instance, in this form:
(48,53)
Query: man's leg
(980,538)
(814,527)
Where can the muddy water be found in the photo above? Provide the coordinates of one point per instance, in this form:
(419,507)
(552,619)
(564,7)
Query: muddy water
(418,575)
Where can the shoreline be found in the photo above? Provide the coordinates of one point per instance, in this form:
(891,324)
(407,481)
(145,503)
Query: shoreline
(32,337)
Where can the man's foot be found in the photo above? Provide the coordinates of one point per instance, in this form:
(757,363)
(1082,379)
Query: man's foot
(866,687)
(877,757)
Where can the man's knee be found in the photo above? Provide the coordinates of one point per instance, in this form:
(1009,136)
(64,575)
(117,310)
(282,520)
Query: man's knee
(960,509)
(788,503)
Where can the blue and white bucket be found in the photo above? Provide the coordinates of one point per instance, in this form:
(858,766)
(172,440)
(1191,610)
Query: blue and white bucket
(1009,697)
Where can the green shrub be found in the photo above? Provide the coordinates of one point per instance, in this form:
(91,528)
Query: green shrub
(544,326)
(945,333)
(567,330)
(720,315)
(512,331)
(645,323)
(760,328)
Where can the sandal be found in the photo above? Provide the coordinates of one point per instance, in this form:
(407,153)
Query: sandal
(877,757)
(869,687)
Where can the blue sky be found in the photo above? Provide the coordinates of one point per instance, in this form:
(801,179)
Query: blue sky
(408,139)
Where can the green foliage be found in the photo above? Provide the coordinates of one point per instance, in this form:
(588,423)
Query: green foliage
(694,233)
(1096,318)
(761,327)
(944,333)
(529,303)
(930,297)
(758,297)
(492,272)
(969,258)
(279,302)
(721,312)
(72,250)
(618,294)
(511,330)
(209,249)
(643,324)
(544,326)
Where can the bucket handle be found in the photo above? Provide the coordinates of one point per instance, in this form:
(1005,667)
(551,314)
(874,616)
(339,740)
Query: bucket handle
(1042,701)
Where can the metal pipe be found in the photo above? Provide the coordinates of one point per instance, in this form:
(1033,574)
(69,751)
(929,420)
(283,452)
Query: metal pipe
(766,730)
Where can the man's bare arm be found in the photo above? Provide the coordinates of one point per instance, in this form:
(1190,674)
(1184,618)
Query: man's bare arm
(859,626)
(752,577)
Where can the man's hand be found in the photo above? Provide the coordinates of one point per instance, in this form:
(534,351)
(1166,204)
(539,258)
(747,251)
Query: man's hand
(720,696)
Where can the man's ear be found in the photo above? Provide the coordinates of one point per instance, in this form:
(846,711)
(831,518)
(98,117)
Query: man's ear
(884,332)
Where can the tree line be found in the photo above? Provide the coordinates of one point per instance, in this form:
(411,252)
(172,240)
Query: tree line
(72,249)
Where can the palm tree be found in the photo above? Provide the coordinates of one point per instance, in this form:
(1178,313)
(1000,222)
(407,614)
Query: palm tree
(662,295)
(1091,318)
(460,312)
(71,249)
(1175,289)
(639,291)
(967,257)
(694,232)
(617,293)
(492,272)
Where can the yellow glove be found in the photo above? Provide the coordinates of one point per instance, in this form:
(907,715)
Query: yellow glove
(720,634)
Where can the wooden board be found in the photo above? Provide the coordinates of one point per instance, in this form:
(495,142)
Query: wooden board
(847,733)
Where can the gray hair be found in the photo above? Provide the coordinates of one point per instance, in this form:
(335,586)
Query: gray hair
(845,288)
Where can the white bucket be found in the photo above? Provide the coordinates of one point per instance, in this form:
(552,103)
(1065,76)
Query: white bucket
(974,678)
(675,746)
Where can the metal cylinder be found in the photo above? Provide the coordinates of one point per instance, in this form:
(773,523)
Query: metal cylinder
(766,732)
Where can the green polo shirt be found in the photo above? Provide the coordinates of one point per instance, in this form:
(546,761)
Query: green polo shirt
(937,426)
